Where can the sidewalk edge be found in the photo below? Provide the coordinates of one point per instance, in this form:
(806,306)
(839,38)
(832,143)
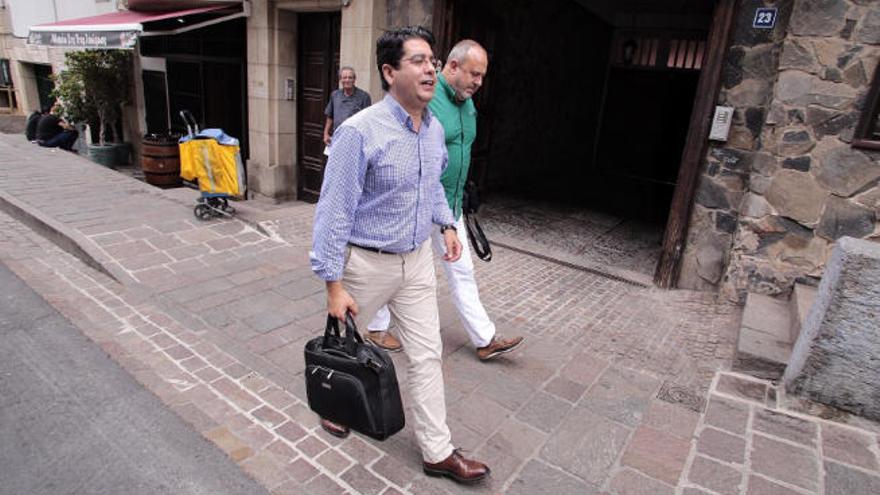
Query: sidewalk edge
(62,236)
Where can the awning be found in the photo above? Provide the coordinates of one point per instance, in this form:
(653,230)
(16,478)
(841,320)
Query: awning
(121,29)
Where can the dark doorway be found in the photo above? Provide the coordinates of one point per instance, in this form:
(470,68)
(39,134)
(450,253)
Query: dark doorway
(587,105)
(156,92)
(45,84)
(205,74)
(645,116)
(318,62)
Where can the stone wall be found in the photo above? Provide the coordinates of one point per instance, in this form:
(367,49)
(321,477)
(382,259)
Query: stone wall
(787,184)
(749,72)
(410,12)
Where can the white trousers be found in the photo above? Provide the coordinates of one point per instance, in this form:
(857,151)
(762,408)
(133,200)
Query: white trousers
(406,283)
(462,287)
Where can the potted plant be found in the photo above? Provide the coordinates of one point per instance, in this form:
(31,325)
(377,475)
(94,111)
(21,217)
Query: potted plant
(92,89)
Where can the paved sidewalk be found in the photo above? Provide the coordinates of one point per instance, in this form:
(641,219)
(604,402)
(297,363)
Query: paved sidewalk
(69,417)
(608,395)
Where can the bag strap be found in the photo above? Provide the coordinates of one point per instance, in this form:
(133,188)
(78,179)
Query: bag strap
(478,239)
(352,337)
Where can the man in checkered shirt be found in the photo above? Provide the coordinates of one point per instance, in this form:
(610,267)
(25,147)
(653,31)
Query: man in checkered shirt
(380,199)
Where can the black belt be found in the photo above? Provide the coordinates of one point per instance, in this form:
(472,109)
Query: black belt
(377,250)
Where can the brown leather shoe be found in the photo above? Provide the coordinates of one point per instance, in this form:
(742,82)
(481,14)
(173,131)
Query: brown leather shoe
(458,468)
(498,346)
(335,429)
(385,340)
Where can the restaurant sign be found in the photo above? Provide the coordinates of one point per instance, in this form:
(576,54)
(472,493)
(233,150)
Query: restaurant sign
(84,39)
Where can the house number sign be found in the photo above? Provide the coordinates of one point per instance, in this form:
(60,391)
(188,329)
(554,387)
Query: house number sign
(765,18)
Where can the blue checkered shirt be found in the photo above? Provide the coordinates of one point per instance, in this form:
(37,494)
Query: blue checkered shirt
(381,186)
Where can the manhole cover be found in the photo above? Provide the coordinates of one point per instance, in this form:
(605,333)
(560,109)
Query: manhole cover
(682,396)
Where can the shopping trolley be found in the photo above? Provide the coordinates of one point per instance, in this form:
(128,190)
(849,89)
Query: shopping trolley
(213,159)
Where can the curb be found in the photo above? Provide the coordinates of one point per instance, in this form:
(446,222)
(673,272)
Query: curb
(64,237)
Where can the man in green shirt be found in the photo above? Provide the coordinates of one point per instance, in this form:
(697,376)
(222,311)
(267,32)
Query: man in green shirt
(452,105)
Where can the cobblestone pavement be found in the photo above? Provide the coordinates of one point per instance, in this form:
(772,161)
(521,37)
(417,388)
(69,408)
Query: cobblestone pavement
(752,439)
(608,395)
(574,234)
(680,336)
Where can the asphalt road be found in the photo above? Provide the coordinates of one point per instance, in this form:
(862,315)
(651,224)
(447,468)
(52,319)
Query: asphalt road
(73,421)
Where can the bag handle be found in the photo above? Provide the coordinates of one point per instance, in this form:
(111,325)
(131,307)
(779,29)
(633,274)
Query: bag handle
(477,237)
(352,337)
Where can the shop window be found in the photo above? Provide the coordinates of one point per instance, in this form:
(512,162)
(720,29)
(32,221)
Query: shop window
(867,133)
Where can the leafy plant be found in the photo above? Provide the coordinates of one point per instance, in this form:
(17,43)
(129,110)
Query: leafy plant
(93,88)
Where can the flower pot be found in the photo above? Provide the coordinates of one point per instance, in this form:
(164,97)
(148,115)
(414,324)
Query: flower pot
(110,155)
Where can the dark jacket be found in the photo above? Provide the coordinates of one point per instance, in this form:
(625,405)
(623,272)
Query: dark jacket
(31,130)
(48,127)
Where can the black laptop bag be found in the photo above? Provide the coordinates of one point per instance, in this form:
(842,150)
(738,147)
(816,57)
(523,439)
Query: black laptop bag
(353,383)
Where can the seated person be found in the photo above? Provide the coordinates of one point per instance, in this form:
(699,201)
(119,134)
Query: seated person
(53,132)
(32,121)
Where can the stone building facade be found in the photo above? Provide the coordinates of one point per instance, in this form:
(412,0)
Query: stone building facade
(788,183)
(272,59)
(770,201)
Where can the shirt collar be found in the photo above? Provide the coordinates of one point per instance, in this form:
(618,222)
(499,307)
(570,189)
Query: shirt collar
(401,114)
(448,90)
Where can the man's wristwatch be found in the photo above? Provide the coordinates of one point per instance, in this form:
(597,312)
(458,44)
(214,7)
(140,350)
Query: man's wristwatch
(444,228)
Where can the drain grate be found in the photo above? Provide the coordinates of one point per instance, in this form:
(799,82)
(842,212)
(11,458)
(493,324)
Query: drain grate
(682,396)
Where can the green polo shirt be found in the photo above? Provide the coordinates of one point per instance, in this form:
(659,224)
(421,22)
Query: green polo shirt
(459,120)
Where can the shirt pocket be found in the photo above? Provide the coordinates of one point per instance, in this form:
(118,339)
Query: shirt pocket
(396,171)
(432,161)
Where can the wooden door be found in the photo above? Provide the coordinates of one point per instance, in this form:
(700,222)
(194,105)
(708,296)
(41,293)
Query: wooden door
(675,236)
(318,76)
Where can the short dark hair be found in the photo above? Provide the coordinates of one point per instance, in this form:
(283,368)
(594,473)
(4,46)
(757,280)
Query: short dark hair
(389,47)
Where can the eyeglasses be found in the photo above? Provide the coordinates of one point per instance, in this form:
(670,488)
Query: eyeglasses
(421,59)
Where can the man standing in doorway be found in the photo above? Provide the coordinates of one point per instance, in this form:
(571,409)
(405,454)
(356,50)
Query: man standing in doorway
(344,102)
(453,106)
(380,199)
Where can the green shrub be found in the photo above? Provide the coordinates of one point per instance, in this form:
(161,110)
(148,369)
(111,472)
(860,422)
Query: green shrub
(93,88)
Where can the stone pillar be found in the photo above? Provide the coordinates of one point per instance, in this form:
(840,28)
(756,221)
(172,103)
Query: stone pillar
(271,59)
(363,22)
(836,359)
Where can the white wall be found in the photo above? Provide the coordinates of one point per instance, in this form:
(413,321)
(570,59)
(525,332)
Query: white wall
(26,13)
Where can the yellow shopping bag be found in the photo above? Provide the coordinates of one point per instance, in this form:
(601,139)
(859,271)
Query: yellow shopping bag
(216,166)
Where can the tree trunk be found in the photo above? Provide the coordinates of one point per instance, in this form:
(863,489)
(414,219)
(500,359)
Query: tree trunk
(101,129)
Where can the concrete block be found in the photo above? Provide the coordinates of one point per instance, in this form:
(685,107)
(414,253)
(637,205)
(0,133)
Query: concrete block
(764,345)
(767,315)
(834,361)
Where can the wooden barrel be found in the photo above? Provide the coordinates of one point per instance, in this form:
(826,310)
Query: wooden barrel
(161,161)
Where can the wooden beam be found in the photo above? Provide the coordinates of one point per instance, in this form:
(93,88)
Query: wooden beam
(696,143)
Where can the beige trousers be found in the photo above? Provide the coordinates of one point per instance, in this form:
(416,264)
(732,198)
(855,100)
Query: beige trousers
(406,283)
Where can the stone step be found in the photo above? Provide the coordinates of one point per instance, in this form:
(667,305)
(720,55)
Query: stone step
(764,344)
(799,305)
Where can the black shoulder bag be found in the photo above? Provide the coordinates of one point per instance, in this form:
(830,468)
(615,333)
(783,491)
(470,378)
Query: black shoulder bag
(469,205)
